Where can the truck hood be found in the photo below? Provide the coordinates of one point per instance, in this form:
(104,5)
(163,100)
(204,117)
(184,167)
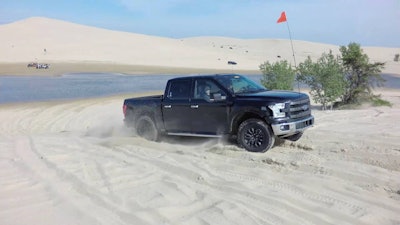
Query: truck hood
(276,96)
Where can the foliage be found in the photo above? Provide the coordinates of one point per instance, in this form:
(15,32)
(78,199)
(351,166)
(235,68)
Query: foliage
(378,101)
(345,80)
(324,77)
(361,75)
(279,75)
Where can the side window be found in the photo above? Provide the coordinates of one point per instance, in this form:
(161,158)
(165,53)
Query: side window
(208,91)
(179,89)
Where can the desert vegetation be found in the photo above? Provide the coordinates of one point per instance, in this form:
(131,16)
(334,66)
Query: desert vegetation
(341,80)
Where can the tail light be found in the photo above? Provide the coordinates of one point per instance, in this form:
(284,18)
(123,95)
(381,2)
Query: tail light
(124,109)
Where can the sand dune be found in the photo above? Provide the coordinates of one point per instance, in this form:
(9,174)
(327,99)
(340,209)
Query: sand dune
(54,41)
(75,163)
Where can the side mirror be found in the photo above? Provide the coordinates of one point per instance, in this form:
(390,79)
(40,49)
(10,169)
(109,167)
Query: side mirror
(218,97)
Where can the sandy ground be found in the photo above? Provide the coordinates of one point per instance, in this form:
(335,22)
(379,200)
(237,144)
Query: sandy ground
(74,162)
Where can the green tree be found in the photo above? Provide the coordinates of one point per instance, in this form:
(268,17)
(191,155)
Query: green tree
(361,75)
(279,75)
(324,77)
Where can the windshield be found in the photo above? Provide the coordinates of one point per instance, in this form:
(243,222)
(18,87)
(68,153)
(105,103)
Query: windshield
(237,84)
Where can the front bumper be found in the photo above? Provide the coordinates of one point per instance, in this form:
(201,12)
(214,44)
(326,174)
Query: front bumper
(288,129)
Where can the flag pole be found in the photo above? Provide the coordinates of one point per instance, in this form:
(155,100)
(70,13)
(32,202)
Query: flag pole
(294,57)
(281,19)
(291,43)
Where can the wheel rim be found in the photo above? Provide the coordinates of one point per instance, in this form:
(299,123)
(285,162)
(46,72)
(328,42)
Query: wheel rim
(254,137)
(141,128)
(145,130)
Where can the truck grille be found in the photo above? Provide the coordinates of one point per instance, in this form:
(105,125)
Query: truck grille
(300,108)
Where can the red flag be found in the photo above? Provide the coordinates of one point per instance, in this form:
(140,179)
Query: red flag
(282,18)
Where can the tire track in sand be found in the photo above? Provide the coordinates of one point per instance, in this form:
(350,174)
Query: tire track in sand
(60,185)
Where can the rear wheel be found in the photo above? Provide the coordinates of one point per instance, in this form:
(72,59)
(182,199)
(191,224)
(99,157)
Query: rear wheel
(146,128)
(255,136)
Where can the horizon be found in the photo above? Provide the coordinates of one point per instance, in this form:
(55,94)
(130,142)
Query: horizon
(373,24)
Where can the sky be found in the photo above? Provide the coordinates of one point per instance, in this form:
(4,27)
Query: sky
(339,22)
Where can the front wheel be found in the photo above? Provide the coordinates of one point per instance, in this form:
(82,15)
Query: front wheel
(146,128)
(255,136)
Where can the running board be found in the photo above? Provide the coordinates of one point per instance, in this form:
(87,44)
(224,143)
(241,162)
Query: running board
(195,135)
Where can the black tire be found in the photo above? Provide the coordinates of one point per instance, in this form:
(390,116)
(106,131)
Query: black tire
(146,128)
(255,135)
(294,137)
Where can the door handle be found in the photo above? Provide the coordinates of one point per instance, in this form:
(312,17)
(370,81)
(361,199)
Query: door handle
(167,106)
(194,106)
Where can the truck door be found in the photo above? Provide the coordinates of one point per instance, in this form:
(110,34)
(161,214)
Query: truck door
(209,108)
(176,106)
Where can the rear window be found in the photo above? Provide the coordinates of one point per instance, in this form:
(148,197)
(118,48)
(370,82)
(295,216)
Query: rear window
(179,89)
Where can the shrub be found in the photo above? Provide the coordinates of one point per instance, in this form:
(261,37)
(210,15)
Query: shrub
(279,75)
(361,75)
(324,77)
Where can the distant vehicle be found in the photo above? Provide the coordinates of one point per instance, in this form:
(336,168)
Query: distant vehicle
(232,63)
(32,64)
(235,106)
(39,65)
(42,66)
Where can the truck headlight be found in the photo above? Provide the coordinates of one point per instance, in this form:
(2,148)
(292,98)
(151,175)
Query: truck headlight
(278,110)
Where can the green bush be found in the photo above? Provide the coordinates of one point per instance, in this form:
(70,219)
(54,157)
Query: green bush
(345,80)
(279,75)
(361,75)
(324,77)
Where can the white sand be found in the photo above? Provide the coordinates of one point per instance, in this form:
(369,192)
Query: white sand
(26,41)
(75,162)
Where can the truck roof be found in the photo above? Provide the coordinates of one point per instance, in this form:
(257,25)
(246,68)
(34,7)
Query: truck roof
(206,76)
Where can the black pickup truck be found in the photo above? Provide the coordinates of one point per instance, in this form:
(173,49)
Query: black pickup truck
(221,105)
